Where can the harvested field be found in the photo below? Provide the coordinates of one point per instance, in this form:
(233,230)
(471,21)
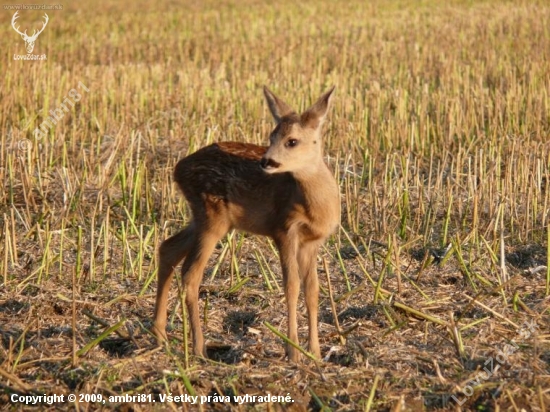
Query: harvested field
(439,136)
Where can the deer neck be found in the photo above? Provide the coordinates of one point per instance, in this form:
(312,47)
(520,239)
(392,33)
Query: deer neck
(321,193)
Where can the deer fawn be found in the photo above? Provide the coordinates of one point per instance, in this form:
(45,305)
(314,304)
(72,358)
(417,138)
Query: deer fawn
(284,191)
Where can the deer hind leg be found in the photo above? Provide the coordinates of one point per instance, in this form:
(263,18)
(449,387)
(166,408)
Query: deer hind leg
(291,282)
(307,261)
(192,272)
(171,253)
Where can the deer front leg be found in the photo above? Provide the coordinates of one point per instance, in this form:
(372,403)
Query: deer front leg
(291,283)
(171,253)
(307,261)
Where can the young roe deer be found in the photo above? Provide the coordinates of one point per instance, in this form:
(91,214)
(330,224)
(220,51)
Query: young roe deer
(284,191)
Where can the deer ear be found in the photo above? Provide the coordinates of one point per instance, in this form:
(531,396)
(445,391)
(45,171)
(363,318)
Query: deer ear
(315,115)
(277,107)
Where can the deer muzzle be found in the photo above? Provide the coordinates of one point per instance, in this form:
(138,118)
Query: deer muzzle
(269,164)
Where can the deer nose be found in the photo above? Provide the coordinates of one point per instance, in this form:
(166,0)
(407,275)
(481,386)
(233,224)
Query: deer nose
(269,164)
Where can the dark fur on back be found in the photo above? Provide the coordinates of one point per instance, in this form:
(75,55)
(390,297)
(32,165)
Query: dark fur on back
(235,178)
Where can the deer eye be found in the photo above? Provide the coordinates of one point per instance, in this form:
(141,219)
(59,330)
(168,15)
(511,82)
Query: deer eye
(291,143)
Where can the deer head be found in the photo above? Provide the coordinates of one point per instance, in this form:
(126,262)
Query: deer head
(295,143)
(29,40)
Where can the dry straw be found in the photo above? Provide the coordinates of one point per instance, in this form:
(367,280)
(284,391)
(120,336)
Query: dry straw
(438,138)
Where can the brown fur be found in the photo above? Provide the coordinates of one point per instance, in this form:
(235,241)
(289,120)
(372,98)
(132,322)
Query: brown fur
(227,189)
